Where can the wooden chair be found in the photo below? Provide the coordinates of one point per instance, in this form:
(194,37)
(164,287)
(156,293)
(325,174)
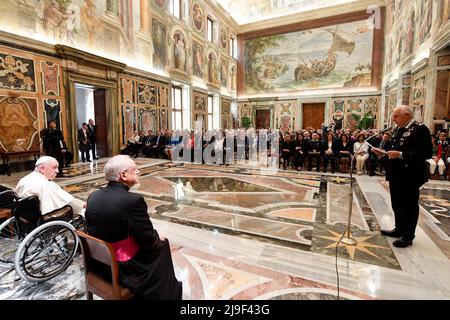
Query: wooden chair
(95,251)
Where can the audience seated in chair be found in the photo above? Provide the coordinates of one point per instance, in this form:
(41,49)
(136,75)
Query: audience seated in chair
(436,160)
(361,151)
(314,152)
(330,150)
(120,218)
(300,147)
(286,150)
(445,150)
(344,153)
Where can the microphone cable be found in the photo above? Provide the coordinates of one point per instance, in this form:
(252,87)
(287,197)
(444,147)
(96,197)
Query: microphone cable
(336,261)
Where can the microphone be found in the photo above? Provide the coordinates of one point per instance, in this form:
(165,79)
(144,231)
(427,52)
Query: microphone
(381,132)
(384,130)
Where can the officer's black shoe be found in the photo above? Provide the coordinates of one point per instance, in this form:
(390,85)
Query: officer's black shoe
(391,233)
(402,243)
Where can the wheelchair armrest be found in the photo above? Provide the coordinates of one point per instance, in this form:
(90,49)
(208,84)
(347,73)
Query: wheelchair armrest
(8,192)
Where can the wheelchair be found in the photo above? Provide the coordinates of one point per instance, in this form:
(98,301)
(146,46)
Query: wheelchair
(39,246)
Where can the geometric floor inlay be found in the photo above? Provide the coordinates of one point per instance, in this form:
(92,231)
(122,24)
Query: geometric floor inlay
(282,208)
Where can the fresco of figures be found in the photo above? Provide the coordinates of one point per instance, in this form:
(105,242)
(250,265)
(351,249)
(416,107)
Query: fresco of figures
(117,30)
(179,51)
(223,72)
(198,57)
(160,4)
(213,71)
(423,19)
(197,17)
(159,35)
(329,57)
(224,37)
(233,77)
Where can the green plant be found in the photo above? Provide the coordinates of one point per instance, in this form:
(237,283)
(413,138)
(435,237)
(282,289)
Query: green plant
(246,122)
(367,122)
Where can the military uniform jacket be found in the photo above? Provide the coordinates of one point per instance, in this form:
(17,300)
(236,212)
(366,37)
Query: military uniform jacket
(414,141)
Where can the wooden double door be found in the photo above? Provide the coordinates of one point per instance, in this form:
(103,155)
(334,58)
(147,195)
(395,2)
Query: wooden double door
(263,119)
(313,115)
(100,121)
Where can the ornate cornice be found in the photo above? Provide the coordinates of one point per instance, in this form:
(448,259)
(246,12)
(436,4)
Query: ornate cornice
(70,53)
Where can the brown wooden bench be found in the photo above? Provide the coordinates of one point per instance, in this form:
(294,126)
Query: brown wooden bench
(7,156)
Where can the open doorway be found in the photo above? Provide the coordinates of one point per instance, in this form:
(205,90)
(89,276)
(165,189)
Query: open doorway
(91,104)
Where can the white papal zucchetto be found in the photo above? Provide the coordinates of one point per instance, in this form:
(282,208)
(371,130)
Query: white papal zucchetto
(43,159)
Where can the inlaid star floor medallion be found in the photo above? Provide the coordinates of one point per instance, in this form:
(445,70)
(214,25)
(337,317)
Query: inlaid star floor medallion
(371,247)
(361,244)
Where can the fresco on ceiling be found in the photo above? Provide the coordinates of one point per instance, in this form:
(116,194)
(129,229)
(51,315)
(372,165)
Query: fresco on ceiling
(426,11)
(159,35)
(329,57)
(255,10)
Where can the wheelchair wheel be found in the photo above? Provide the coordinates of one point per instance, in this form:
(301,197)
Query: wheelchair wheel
(46,251)
(9,240)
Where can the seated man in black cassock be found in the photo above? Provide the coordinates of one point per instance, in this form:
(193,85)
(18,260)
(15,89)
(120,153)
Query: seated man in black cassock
(120,217)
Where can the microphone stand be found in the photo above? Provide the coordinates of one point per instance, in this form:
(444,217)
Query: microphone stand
(348,239)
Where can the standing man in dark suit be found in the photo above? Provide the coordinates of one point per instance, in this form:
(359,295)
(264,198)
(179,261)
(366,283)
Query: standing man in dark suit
(406,172)
(93,137)
(55,146)
(120,217)
(83,142)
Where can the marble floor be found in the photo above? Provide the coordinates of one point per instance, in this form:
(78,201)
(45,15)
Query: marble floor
(252,232)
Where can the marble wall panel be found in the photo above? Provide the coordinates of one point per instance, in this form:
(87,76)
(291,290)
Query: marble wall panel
(147,119)
(128,122)
(127,90)
(18,124)
(147,94)
(50,78)
(17,73)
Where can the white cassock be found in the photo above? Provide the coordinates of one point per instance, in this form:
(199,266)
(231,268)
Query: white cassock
(51,196)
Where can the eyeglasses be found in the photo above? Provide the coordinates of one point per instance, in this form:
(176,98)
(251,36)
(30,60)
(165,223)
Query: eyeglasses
(133,170)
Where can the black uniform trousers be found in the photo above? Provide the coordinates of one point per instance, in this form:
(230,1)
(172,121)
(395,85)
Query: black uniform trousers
(405,203)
